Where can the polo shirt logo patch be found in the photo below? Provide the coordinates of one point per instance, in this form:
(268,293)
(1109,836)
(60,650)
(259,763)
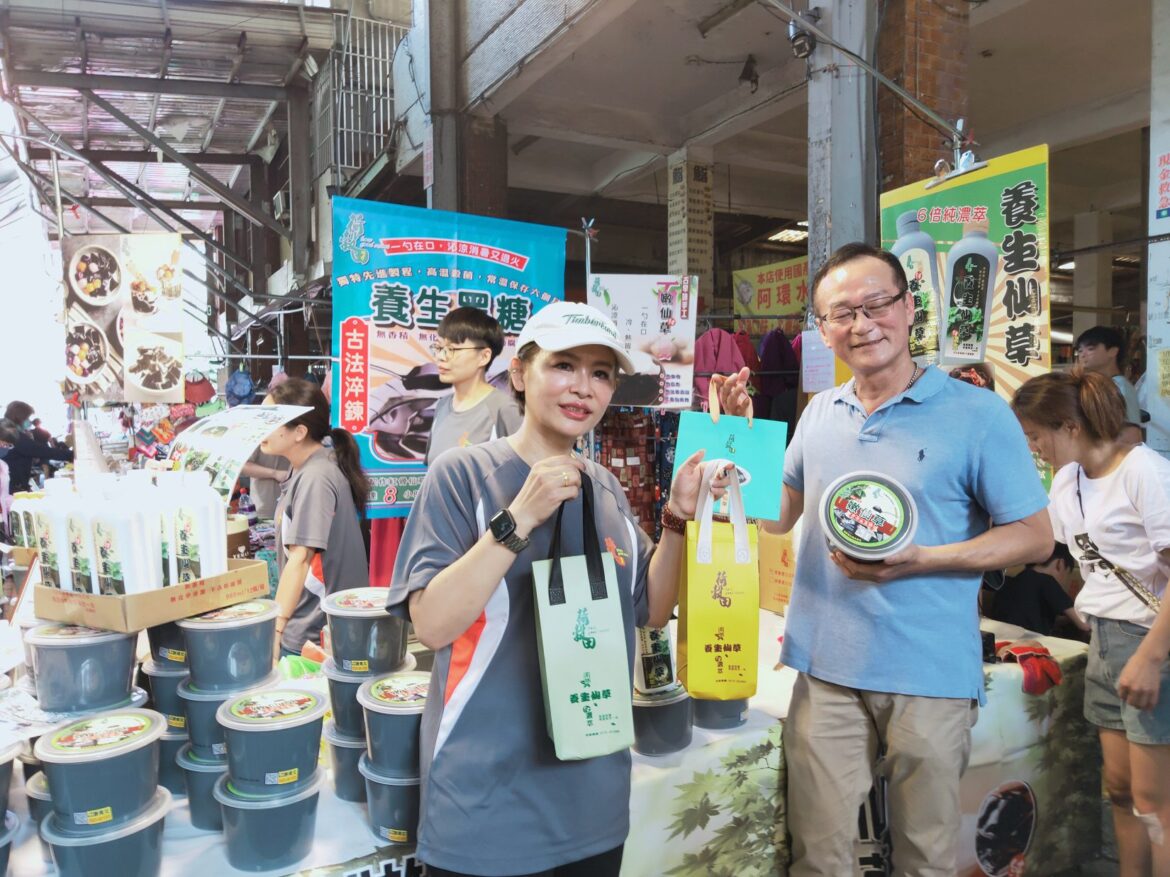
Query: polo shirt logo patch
(619,556)
(921,454)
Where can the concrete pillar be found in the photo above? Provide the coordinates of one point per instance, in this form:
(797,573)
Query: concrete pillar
(842,195)
(1158,223)
(1093,277)
(690,211)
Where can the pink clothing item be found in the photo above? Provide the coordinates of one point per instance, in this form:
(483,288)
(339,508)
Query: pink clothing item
(716,352)
(744,342)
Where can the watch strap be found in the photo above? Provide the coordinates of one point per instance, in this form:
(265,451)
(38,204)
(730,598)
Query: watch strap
(513,542)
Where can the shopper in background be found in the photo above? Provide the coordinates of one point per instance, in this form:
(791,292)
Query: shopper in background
(1111,506)
(495,799)
(318,535)
(26,450)
(267,474)
(889,652)
(1102,349)
(1038,595)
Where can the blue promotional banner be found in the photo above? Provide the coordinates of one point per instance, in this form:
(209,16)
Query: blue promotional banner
(397,271)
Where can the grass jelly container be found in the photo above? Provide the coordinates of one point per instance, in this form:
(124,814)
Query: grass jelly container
(344,755)
(204,731)
(168,646)
(163,681)
(273,739)
(170,775)
(103,770)
(393,708)
(30,664)
(231,648)
(266,833)
(663,721)
(868,516)
(720,715)
(8,758)
(343,689)
(363,636)
(133,849)
(392,804)
(40,805)
(80,669)
(201,776)
(7,837)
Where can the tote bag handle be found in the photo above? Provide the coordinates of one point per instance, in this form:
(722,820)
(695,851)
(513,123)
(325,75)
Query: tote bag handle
(735,511)
(556,583)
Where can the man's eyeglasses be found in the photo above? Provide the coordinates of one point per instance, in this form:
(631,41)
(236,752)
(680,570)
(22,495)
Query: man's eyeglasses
(875,308)
(443,352)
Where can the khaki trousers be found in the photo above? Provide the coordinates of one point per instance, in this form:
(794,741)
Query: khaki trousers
(833,737)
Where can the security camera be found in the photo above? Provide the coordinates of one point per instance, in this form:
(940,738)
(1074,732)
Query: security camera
(802,41)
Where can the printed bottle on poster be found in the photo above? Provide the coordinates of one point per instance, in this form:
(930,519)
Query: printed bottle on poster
(21,535)
(24,507)
(52,527)
(915,251)
(970,282)
(654,668)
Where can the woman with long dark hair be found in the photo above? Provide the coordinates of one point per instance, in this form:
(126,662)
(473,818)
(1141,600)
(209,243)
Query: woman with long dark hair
(27,449)
(317,528)
(1110,503)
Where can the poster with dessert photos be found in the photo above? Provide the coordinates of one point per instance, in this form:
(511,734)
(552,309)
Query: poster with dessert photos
(655,316)
(123,317)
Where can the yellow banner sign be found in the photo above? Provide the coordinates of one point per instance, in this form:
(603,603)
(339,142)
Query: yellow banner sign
(769,291)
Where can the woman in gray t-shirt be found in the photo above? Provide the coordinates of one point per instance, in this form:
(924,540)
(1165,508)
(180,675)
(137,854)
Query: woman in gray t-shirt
(495,799)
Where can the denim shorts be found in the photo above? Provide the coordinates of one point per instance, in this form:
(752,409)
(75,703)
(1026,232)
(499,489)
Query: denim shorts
(1113,643)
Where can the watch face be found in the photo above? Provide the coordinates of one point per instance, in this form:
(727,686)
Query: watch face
(502,524)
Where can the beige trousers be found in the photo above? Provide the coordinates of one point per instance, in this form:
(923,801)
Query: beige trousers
(833,737)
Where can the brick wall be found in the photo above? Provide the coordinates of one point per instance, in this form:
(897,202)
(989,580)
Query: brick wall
(923,46)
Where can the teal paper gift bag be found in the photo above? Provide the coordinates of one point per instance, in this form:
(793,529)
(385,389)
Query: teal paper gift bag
(581,638)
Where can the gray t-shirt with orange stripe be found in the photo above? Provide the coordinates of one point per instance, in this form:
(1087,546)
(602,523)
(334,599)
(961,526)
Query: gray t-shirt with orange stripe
(495,799)
(317,511)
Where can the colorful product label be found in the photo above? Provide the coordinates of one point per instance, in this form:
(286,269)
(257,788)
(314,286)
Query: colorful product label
(68,631)
(395,835)
(30,529)
(355,666)
(402,689)
(924,332)
(188,538)
(866,514)
(273,706)
(178,656)
(109,558)
(361,599)
(177,721)
(238,612)
(101,733)
(282,777)
(94,817)
(968,296)
(50,573)
(656,668)
(79,569)
(166,552)
(219,748)
(16,528)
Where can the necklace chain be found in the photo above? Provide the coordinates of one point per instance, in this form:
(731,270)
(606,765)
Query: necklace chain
(913,378)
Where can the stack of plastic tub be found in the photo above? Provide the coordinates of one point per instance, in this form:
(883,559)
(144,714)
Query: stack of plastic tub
(365,642)
(392,707)
(270,790)
(106,806)
(162,682)
(227,652)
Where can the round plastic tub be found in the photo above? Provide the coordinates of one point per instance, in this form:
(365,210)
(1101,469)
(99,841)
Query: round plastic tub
(30,765)
(363,637)
(720,715)
(663,721)
(392,804)
(8,757)
(265,833)
(201,776)
(344,754)
(103,770)
(80,669)
(30,657)
(231,648)
(40,805)
(343,689)
(393,708)
(170,775)
(130,850)
(868,516)
(11,824)
(205,733)
(273,739)
(168,646)
(163,681)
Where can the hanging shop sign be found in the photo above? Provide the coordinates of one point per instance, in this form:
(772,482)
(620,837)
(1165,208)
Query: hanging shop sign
(770,291)
(1154,393)
(397,271)
(655,315)
(123,317)
(975,253)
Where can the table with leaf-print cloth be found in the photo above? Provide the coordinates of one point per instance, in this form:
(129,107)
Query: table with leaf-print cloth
(1030,796)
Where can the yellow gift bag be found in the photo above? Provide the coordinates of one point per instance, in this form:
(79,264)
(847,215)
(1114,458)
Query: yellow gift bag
(719,603)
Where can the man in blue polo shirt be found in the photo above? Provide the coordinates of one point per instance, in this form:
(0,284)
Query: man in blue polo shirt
(889,652)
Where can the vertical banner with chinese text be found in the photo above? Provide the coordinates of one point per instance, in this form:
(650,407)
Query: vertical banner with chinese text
(975,252)
(397,271)
(769,291)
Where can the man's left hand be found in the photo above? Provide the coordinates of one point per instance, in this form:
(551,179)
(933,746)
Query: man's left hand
(896,566)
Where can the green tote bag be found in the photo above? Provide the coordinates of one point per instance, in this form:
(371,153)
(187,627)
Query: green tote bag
(584,662)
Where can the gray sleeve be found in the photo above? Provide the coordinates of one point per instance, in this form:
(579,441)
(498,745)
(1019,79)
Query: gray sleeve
(1133,413)
(441,528)
(508,418)
(311,510)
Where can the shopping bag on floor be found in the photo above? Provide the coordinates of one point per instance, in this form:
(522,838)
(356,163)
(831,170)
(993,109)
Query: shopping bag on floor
(581,639)
(719,601)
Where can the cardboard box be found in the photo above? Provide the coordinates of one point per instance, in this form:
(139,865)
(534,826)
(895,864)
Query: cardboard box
(777,571)
(23,557)
(244,580)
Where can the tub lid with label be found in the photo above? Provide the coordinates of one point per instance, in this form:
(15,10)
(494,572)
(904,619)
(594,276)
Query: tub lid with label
(188,760)
(137,699)
(370,772)
(396,693)
(868,516)
(273,710)
(38,787)
(228,795)
(357,603)
(236,615)
(332,671)
(100,736)
(158,808)
(158,668)
(332,735)
(54,634)
(666,697)
(187,691)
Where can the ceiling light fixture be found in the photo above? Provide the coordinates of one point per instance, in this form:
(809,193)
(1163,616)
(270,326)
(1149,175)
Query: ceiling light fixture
(790,236)
(1067,266)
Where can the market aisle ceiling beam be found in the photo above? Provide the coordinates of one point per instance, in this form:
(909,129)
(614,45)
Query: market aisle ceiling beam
(577,122)
(169,204)
(146,85)
(146,155)
(1115,114)
(782,88)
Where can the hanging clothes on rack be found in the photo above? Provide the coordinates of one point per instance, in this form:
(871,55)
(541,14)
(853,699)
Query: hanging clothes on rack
(777,355)
(716,352)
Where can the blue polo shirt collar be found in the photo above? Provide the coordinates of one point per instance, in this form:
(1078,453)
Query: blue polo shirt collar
(930,382)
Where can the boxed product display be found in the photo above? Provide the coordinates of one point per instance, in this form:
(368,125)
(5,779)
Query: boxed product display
(363,637)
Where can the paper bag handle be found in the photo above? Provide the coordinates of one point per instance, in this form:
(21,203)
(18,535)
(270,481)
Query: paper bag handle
(735,511)
(556,582)
(713,405)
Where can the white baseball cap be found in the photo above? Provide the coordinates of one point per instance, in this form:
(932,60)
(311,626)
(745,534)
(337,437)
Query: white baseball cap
(563,325)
